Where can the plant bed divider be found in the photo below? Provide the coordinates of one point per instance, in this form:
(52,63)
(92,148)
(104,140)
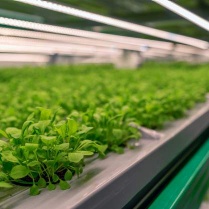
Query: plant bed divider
(116,180)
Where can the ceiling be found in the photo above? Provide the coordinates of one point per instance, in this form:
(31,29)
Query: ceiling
(143,12)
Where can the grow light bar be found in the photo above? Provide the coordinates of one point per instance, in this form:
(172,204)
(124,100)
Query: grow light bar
(25,49)
(96,60)
(153,54)
(50,44)
(190,50)
(4,57)
(163,54)
(184,13)
(76,43)
(117,23)
(18,47)
(64,47)
(66,42)
(76,32)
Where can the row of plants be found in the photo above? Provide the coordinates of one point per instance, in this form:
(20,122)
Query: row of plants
(78,111)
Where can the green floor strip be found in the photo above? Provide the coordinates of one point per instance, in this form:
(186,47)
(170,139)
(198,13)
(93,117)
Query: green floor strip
(186,189)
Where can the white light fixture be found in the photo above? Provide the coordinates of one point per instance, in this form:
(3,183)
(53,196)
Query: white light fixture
(117,23)
(50,47)
(29,46)
(184,13)
(39,39)
(31,58)
(62,39)
(75,32)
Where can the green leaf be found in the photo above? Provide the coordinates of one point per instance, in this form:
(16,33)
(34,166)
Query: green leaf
(75,157)
(31,116)
(85,129)
(101,148)
(55,178)
(19,171)
(68,175)
(72,126)
(34,190)
(3,143)
(7,166)
(118,133)
(41,125)
(14,132)
(85,144)
(8,156)
(41,183)
(51,186)
(31,156)
(41,153)
(61,157)
(26,124)
(31,146)
(63,146)
(45,113)
(9,119)
(78,171)
(54,114)
(64,185)
(48,139)
(61,128)
(3,176)
(4,134)
(33,163)
(5,185)
(85,153)
(117,149)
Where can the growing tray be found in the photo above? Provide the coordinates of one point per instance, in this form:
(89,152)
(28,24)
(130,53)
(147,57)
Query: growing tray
(116,180)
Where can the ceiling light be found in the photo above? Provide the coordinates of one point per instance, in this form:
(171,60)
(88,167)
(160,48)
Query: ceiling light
(117,23)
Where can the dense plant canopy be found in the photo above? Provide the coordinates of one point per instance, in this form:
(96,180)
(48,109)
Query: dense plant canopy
(77,111)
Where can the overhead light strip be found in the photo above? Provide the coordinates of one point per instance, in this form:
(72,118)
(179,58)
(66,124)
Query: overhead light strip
(63,39)
(8,57)
(86,34)
(31,45)
(135,44)
(184,13)
(66,46)
(117,23)
(89,34)
(127,43)
(17,48)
